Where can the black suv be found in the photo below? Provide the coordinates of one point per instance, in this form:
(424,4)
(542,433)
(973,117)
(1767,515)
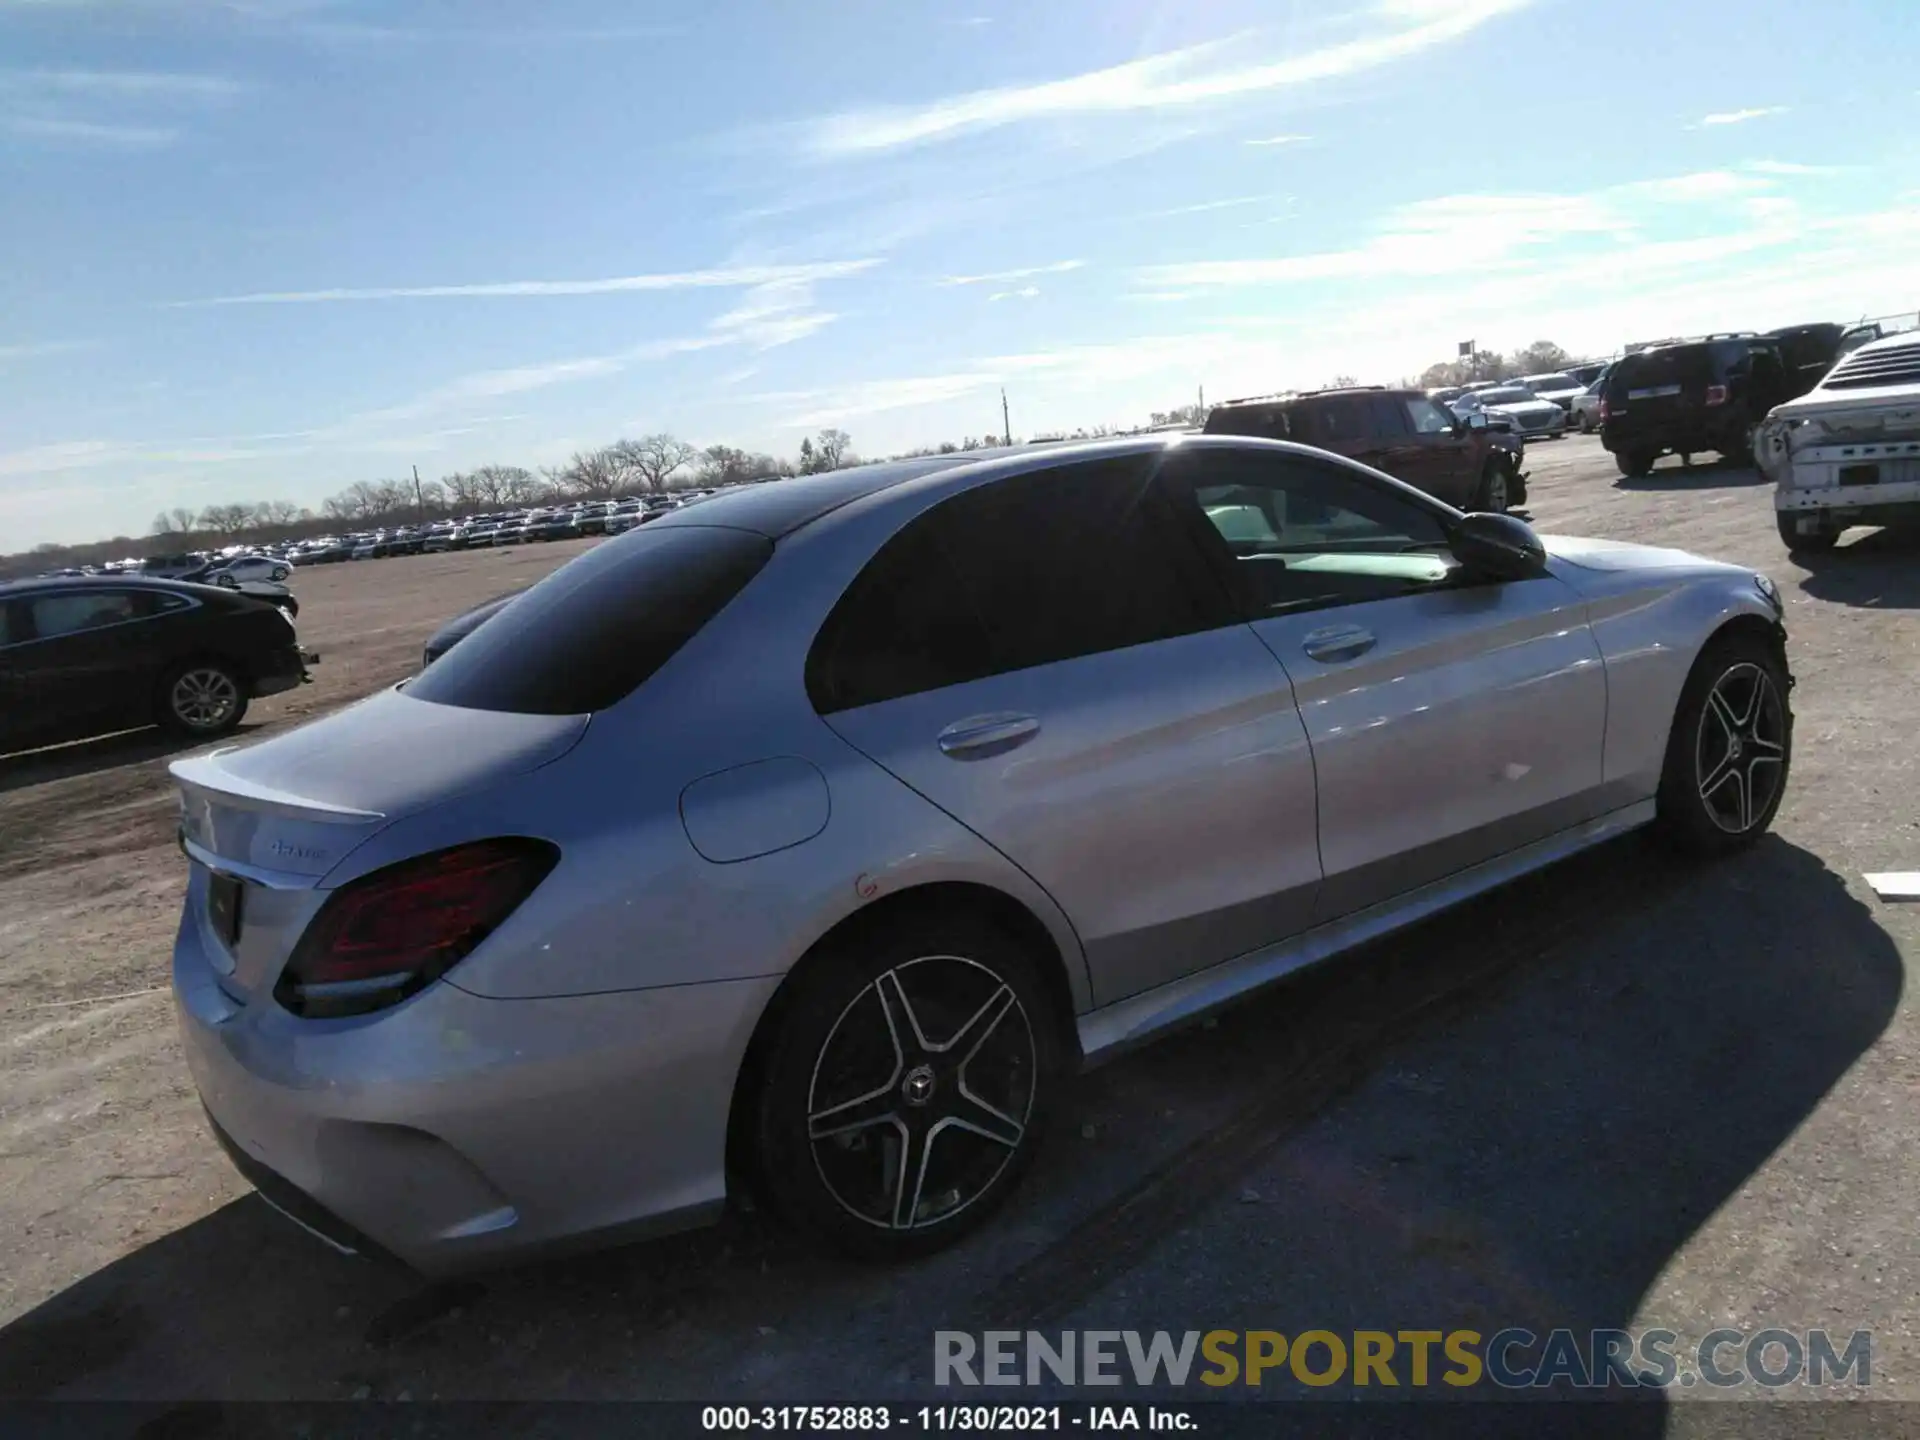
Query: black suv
(1687,397)
(86,657)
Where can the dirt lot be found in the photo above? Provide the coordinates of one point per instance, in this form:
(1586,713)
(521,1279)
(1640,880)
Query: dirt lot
(1621,1094)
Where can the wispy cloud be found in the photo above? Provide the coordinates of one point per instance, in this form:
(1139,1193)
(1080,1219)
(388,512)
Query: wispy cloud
(33,350)
(105,109)
(722,278)
(1176,78)
(1467,234)
(776,313)
(1025,292)
(149,85)
(1000,277)
(1279,140)
(1202,207)
(91,132)
(1789,167)
(1740,117)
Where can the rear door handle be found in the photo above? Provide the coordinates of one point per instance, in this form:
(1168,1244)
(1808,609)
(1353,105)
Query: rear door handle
(1337,643)
(980,737)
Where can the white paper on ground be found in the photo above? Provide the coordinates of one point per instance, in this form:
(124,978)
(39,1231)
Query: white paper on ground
(1896,885)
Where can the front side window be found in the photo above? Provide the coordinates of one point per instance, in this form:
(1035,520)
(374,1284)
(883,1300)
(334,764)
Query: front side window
(66,614)
(1428,418)
(1297,535)
(1032,570)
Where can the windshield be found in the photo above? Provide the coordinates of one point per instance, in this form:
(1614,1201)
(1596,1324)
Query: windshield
(1509,395)
(1552,382)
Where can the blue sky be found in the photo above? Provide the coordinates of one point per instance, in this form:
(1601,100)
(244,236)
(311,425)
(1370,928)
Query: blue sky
(265,248)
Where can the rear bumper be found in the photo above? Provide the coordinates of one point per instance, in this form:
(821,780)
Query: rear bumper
(286,670)
(454,1132)
(1675,439)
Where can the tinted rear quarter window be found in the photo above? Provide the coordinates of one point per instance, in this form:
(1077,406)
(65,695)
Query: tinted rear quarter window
(594,630)
(1031,570)
(1265,422)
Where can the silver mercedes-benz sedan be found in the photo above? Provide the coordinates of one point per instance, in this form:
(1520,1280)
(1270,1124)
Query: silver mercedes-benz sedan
(809,838)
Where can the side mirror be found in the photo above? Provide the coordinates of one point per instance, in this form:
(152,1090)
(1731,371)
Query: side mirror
(1499,547)
(1476,419)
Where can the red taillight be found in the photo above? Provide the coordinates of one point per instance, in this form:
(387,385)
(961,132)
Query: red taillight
(1716,394)
(394,932)
(1603,409)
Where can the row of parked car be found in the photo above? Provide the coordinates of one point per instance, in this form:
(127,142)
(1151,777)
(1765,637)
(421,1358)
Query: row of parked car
(525,525)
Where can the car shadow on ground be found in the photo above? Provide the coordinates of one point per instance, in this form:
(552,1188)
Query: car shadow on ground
(26,768)
(1513,1115)
(1703,474)
(1878,568)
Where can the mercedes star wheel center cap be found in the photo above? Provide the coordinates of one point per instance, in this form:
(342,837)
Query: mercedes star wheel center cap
(917,1088)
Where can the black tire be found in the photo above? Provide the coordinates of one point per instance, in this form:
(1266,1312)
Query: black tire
(1733,722)
(201,698)
(1634,464)
(1586,423)
(1494,493)
(1821,541)
(834,1060)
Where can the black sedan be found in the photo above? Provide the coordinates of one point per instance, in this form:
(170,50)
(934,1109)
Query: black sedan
(87,657)
(463,625)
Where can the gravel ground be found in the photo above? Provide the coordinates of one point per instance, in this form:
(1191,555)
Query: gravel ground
(1620,1094)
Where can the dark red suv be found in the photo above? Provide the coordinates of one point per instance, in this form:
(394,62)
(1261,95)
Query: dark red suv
(1401,432)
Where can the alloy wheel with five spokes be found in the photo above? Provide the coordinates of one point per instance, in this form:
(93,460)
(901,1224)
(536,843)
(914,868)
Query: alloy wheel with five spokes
(1740,748)
(921,1093)
(903,1081)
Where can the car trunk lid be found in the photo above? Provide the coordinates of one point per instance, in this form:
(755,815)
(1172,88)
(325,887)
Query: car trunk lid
(266,823)
(293,806)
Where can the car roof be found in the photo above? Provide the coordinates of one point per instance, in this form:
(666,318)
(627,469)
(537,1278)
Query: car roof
(778,507)
(54,584)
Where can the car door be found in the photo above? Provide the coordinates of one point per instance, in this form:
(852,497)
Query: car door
(1441,453)
(80,657)
(1046,659)
(21,714)
(1450,719)
(1344,425)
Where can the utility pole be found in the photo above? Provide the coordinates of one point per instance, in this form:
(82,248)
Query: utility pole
(1203,404)
(419,503)
(1006,425)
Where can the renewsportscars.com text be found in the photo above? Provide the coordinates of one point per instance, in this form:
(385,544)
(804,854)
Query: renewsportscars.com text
(1511,1359)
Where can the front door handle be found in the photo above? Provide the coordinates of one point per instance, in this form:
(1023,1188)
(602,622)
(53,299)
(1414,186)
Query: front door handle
(1337,643)
(980,737)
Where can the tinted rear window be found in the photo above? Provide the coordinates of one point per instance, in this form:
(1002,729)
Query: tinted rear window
(1689,366)
(595,629)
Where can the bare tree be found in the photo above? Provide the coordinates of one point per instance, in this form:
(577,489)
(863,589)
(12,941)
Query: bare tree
(592,475)
(491,486)
(275,512)
(833,449)
(1541,355)
(163,525)
(726,465)
(226,519)
(655,459)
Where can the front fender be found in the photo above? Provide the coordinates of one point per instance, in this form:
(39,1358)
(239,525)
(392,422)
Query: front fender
(1651,626)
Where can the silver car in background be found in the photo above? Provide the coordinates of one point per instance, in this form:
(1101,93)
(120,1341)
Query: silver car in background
(1533,417)
(810,837)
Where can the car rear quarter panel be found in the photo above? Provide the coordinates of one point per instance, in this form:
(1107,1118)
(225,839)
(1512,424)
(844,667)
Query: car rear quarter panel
(634,903)
(1651,625)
